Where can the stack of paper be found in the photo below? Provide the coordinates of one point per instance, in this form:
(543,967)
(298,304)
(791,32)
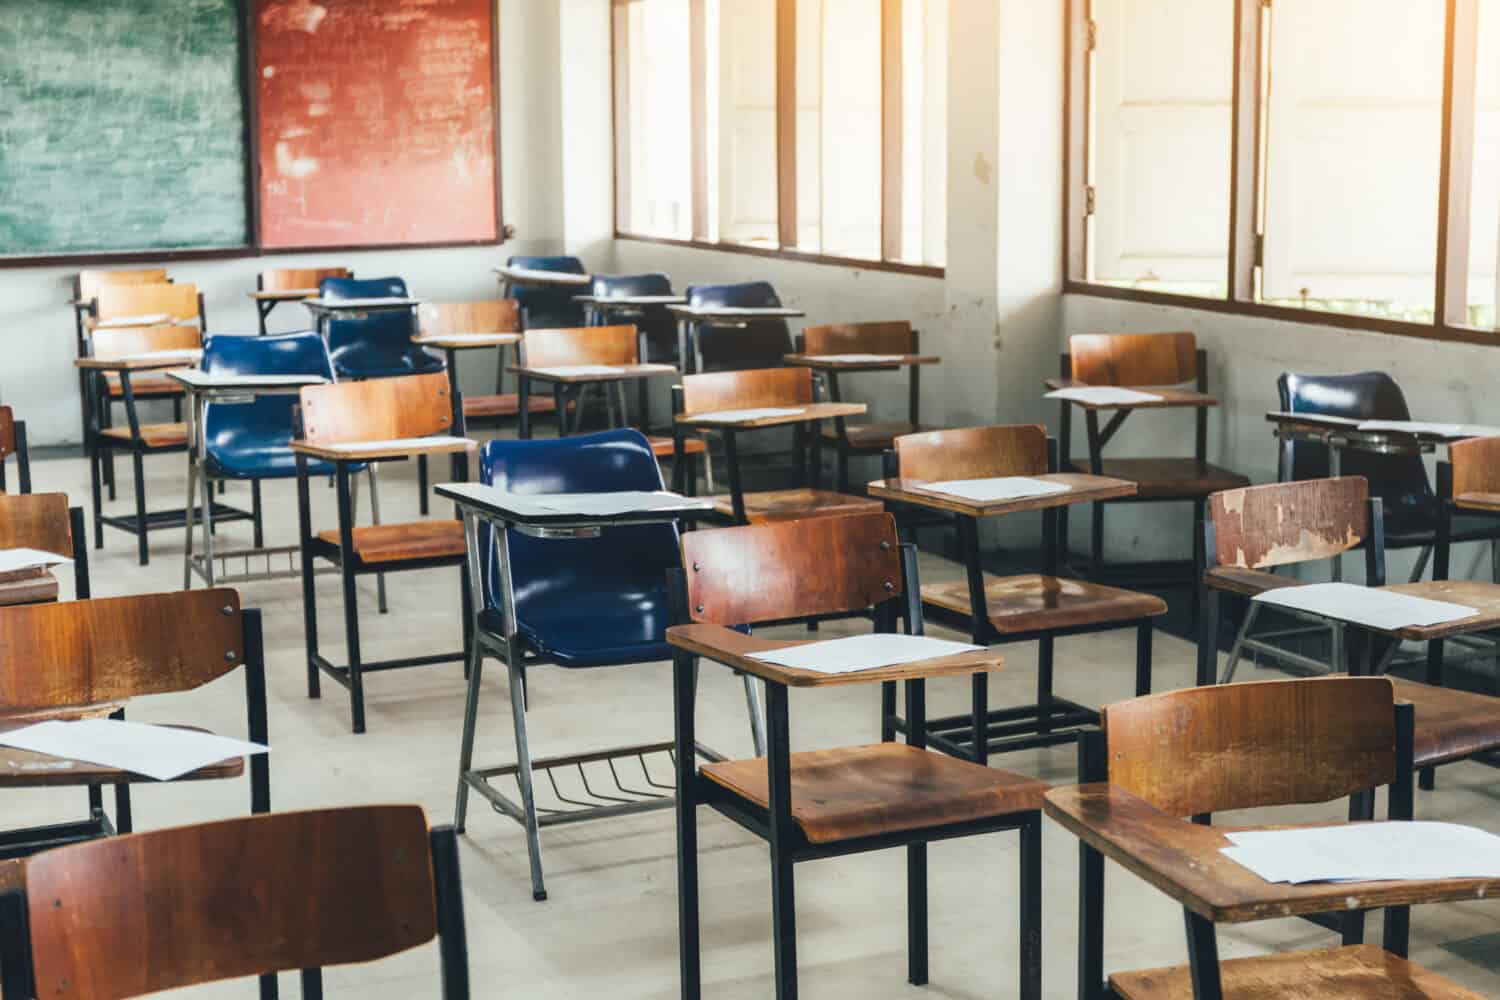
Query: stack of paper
(398,444)
(14,560)
(862,652)
(159,752)
(1002,488)
(1438,430)
(736,416)
(1367,852)
(1103,395)
(571,371)
(1369,606)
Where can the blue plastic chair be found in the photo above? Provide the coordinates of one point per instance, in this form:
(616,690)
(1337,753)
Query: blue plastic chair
(761,344)
(548,307)
(579,603)
(379,344)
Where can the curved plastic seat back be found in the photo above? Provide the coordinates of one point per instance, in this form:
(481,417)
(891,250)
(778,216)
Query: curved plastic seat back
(585,602)
(377,345)
(761,344)
(656,323)
(550,307)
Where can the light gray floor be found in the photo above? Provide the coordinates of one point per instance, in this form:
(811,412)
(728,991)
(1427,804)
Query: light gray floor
(610,927)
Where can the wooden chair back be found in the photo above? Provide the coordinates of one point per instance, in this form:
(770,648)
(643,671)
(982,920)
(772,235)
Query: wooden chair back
(487,316)
(286,279)
(93,652)
(583,345)
(175,300)
(792,569)
(8,443)
(750,389)
(973,453)
(1280,524)
(893,337)
(377,409)
(1243,746)
(1476,465)
(1134,359)
(36,521)
(133,915)
(87,283)
(110,344)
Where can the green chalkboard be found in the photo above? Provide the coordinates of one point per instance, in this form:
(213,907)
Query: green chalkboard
(121,126)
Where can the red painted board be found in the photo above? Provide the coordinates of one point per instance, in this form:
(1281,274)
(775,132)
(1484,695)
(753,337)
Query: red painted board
(376,121)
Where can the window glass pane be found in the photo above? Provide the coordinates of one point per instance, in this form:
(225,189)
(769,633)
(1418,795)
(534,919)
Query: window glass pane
(1163,88)
(1484,220)
(1353,154)
(924,131)
(652,95)
(742,121)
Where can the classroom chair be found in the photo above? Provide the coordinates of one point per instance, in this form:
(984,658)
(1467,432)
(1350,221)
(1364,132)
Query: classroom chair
(1254,531)
(578,603)
(45,522)
(788,388)
(546,307)
(1142,361)
(13,442)
(829,803)
(291,279)
(852,440)
(731,346)
(1032,607)
(657,327)
(1195,752)
(86,285)
(288,891)
(437,319)
(350,424)
(89,658)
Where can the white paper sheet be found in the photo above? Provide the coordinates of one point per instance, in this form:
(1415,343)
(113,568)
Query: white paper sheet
(863,652)
(1370,606)
(1102,395)
(1364,852)
(1418,427)
(544,277)
(150,319)
(572,371)
(396,444)
(735,416)
(464,338)
(1001,488)
(857,359)
(13,560)
(156,751)
(391,301)
(212,380)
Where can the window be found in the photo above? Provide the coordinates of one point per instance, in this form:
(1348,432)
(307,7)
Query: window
(1484,211)
(834,146)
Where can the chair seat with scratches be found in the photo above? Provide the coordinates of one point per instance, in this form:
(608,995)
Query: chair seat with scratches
(599,600)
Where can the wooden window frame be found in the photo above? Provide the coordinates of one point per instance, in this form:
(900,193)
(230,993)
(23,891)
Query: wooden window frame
(1245,243)
(892,133)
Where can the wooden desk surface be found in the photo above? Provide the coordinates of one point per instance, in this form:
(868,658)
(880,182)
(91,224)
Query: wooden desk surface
(492,502)
(805,412)
(283,294)
(1481,595)
(390,303)
(526,276)
(557,373)
(631,301)
(363,451)
(198,380)
(467,341)
(1323,425)
(1168,397)
(142,362)
(733,649)
(735,312)
(1184,861)
(1082,488)
(29,769)
(1486,502)
(844,362)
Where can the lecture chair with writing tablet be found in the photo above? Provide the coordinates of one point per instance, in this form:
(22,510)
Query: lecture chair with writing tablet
(86,285)
(833,802)
(45,522)
(657,326)
(545,307)
(286,284)
(724,345)
(1161,759)
(774,388)
(580,603)
(13,442)
(350,424)
(288,891)
(436,320)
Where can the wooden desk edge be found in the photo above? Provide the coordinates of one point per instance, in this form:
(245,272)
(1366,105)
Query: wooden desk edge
(1108,489)
(338,453)
(810,412)
(823,361)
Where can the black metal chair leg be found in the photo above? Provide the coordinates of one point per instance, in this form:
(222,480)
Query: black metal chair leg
(422,484)
(980,726)
(143,547)
(96,464)
(1044,647)
(1143,658)
(255,514)
(1427,776)
(916,914)
(684,677)
(1031,908)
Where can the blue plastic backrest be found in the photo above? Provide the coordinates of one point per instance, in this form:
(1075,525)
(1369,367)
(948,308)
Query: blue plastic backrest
(761,344)
(610,286)
(378,343)
(549,307)
(659,326)
(283,354)
(747,295)
(335,289)
(609,461)
(1399,480)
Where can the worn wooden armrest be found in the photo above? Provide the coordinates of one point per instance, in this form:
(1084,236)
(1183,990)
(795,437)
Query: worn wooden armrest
(734,649)
(356,451)
(1183,860)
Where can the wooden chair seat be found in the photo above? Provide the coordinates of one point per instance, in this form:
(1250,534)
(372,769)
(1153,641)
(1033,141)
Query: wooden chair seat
(387,543)
(794,504)
(507,404)
(1360,972)
(661,446)
(1169,478)
(1450,724)
(143,385)
(152,435)
(27,769)
(853,792)
(1033,602)
(1246,582)
(875,437)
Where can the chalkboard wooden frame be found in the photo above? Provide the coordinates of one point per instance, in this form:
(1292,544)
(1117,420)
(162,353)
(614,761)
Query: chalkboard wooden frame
(247,11)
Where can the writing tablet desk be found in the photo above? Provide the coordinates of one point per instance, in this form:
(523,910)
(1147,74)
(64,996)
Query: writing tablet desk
(203,388)
(1035,606)
(692,319)
(325,310)
(570,378)
(265,301)
(451,344)
(156,437)
(830,366)
(513,277)
(607,310)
